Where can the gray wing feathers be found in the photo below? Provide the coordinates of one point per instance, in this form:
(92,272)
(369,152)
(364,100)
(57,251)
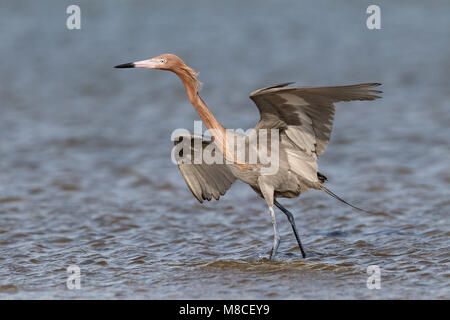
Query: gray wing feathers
(206,181)
(306,114)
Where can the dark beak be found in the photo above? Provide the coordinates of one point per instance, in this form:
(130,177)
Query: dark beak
(125,65)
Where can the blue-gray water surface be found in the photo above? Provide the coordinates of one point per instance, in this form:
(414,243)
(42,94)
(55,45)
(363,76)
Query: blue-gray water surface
(85,171)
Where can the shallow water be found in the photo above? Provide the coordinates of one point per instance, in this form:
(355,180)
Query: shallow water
(86,176)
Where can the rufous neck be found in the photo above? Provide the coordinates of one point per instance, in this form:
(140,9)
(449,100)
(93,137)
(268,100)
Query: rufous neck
(214,126)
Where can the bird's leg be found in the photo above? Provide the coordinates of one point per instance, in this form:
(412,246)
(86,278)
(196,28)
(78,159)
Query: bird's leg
(268,192)
(292,221)
(276,235)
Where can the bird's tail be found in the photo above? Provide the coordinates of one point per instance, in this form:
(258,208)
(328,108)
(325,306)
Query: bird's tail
(331,193)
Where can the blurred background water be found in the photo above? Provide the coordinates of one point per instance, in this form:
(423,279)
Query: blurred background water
(85,170)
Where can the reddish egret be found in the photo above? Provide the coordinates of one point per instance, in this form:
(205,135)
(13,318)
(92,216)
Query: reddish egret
(303,117)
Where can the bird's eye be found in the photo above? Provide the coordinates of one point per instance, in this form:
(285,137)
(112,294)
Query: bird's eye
(162,61)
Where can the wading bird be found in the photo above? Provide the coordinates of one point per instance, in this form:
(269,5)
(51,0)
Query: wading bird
(303,117)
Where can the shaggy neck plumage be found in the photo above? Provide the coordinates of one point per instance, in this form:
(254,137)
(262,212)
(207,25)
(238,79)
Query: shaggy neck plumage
(217,131)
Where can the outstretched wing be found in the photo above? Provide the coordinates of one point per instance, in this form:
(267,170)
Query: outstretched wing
(306,113)
(204,180)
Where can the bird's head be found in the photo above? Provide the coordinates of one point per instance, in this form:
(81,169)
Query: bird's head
(166,61)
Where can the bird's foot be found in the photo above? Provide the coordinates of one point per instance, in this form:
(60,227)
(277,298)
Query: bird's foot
(276,243)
